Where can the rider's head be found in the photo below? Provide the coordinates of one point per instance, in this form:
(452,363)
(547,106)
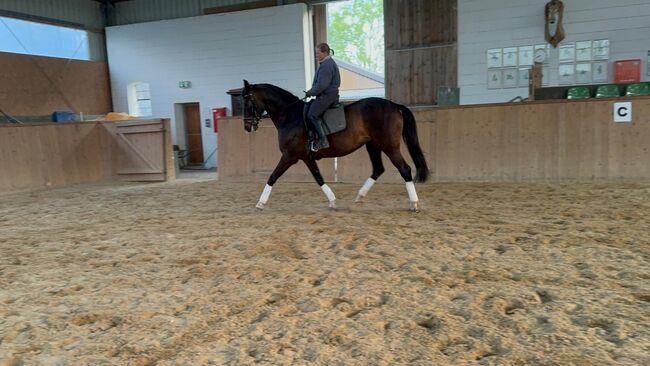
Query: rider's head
(323,50)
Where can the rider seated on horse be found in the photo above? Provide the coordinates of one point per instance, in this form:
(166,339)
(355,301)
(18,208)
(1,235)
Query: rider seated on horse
(326,90)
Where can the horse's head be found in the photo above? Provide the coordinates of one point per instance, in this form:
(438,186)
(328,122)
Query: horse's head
(253,109)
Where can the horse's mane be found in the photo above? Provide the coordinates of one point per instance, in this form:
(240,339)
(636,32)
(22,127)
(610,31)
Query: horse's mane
(281,93)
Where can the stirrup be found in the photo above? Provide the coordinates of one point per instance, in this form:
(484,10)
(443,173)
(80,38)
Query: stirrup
(319,144)
(312,146)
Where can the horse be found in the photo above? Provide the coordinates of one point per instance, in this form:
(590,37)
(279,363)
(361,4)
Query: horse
(377,123)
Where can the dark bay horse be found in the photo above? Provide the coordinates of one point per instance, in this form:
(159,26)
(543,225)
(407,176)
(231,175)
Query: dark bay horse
(375,122)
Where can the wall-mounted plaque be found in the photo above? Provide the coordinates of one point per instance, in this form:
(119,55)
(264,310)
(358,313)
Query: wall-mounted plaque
(583,51)
(566,74)
(494,79)
(567,52)
(494,58)
(525,55)
(599,71)
(510,77)
(600,49)
(510,56)
(583,73)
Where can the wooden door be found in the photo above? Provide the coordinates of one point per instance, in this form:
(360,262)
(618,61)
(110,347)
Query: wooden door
(194,138)
(141,155)
(421,49)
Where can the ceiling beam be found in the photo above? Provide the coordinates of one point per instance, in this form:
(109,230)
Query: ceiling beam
(40,19)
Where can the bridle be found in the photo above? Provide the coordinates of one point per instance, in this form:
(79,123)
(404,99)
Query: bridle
(256,115)
(256,118)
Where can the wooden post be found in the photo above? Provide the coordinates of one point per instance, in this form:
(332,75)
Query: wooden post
(320,23)
(320,28)
(534,80)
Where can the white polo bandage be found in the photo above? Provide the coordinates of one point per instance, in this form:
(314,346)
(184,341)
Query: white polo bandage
(265,194)
(328,192)
(366,187)
(410,189)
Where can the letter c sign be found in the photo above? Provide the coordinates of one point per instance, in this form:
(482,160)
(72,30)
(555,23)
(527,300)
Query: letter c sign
(623,112)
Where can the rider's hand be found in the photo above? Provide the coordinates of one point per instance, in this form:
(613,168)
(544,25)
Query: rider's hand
(307,94)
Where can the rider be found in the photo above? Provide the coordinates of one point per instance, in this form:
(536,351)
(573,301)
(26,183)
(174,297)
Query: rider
(326,90)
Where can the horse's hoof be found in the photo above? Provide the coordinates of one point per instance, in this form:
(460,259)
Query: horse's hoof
(359,199)
(413,207)
(259,206)
(332,205)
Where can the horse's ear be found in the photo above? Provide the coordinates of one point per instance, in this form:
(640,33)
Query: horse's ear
(246,84)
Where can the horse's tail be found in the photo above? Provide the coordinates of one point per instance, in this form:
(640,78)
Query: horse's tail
(410,136)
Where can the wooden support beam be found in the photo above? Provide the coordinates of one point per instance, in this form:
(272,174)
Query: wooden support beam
(239,7)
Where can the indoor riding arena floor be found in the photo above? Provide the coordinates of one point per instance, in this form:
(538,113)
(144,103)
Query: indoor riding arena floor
(189,273)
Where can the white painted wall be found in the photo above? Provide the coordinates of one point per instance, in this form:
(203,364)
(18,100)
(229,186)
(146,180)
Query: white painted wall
(214,52)
(485,24)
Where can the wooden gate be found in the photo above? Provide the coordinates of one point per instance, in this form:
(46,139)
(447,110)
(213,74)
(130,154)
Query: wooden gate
(142,150)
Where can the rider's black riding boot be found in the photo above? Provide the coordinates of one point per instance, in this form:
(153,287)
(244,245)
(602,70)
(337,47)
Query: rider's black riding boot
(320,139)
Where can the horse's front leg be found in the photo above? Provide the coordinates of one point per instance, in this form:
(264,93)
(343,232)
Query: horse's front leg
(377,169)
(282,167)
(313,168)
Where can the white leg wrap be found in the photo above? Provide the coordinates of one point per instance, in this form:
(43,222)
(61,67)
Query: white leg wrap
(328,192)
(410,189)
(265,194)
(366,187)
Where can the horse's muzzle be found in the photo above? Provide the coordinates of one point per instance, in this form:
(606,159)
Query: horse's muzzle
(251,124)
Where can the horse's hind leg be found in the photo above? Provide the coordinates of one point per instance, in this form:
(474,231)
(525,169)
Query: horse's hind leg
(377,170)
(282,167)
(313,168)
(397,159)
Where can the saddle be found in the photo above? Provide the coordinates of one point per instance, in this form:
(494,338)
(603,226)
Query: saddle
(334,119)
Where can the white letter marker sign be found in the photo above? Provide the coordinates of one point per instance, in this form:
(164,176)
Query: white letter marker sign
(623,112)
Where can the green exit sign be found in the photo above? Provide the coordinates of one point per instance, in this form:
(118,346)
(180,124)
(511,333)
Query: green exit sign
(184,84)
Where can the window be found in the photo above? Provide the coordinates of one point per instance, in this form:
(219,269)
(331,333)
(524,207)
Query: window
(24,37)
(139,99)
(355,30)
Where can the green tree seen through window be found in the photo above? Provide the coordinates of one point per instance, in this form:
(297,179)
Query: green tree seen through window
(355,30)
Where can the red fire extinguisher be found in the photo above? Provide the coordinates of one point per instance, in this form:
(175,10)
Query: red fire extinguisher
(216,114)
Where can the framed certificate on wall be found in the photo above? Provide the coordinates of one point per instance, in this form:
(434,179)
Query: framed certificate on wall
(494,79)
(494,57)
(525,55)
(583,73)
(567,52)
(510,77)
(600,49)
(599,72)
(510,56)
(566,74)
(583,51)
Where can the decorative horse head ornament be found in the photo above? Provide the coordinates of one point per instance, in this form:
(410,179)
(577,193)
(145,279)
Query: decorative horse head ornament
(553,28)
